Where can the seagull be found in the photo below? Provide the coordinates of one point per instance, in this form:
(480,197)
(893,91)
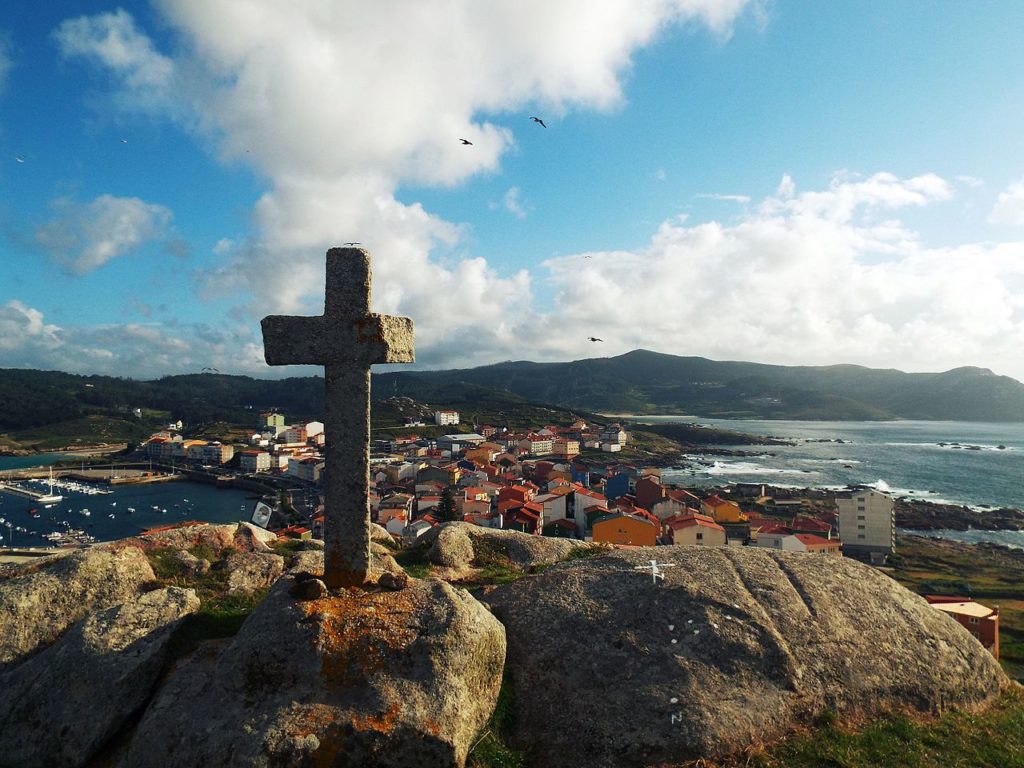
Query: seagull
(538,120)
(124,141)
(208,368)
(593,338)
(353,243)
(467,142)
(19,159)
(654,569)
(587,256)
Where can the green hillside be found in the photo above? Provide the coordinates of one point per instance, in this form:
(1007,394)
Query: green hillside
(649,382)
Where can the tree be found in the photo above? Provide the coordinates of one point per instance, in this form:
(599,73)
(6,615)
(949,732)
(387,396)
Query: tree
(446,510)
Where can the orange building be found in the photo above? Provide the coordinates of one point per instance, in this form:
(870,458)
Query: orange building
(980,620)
(723,511)
(624,528)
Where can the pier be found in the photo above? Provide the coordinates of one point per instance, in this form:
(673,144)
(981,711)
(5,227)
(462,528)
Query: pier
(43,498)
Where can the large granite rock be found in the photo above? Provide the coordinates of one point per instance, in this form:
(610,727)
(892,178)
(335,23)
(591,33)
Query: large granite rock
(251,571)
(733,648)
(244,537)
(457,545)
(312,562)
(62,705)
(403,678)
(46,599)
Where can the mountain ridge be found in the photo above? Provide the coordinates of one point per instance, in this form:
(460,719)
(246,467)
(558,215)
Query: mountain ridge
(639,382)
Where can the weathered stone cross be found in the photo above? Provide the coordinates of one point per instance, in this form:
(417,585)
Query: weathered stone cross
(346,339)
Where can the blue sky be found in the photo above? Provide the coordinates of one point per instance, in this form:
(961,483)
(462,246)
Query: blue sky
(786,182)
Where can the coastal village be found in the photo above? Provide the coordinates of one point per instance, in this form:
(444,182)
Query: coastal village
(536,482)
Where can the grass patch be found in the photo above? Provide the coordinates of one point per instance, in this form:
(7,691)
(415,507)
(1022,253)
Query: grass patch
(956,740)
(220,615)
(495,566)
(414,561)
(583,552)
(492,751)
(218,618)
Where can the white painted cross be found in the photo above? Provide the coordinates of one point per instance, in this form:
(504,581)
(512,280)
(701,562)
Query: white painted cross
(346,339)
(654,569)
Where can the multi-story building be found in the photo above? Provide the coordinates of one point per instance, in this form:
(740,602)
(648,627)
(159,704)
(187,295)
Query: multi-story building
(867,524)
(254,461)
(271,419)
(211,453)
(444,418)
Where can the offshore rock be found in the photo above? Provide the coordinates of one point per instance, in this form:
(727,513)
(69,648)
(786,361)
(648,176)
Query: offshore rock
(62,705)
(362,678)
(456,545)
(733,648)
(43,600)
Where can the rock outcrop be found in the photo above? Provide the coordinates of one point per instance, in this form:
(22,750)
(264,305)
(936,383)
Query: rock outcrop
(403,678)
(244,537)
(732,648)
(62,705)
(43,601)
(250,571)
(457,545)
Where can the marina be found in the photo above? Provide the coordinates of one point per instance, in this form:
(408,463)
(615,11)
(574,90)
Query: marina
(88,512)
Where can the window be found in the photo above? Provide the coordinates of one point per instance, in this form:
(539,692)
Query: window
(700,536)
(860,517)
(974,619)
(861,499)
(860,527)
(860,535)
(860,509)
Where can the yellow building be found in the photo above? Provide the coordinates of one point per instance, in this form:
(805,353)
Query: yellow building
(723,511)
(622,528)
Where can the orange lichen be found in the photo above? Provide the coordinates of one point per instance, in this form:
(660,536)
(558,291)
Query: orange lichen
(383,723)
(359,631)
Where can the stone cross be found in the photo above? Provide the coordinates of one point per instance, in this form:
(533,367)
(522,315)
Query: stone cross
(346,339)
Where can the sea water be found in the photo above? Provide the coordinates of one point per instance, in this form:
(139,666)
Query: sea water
(976,464)
(109,518)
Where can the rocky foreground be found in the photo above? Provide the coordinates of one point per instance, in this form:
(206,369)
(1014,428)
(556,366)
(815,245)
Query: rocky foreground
(114,656)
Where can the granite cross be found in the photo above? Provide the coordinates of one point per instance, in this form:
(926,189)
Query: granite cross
(346,339)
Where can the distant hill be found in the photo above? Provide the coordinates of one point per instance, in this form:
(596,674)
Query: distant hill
(639,382)
(649,382)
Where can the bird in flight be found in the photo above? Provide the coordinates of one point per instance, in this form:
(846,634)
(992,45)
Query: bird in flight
(593,338)
(466,142)
(353,243)
(208,368)
(538,120)
(124,141)
(19,159)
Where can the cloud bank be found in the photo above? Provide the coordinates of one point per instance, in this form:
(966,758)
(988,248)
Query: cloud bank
(339,108)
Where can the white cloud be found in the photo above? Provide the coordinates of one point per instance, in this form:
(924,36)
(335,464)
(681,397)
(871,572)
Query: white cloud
(113,40)
(972,182)
(85,236)
(800,281)
(741,199)
(134,349)
(512,203)
(1009,207)
(339,104)
(786,187)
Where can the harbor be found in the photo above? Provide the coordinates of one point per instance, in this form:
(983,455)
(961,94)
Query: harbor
(96,511)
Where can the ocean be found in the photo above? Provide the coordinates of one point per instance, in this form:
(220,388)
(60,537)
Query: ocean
(980,465)
(108,519)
